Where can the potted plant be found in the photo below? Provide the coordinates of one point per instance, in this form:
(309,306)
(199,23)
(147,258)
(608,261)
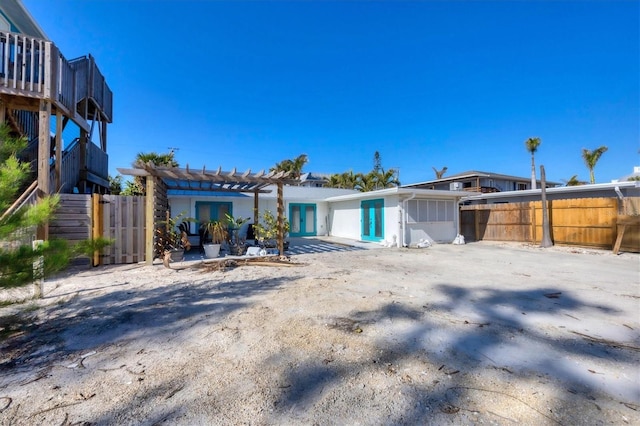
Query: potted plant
(171,242)
(266,230)
(237,246)
(217,230)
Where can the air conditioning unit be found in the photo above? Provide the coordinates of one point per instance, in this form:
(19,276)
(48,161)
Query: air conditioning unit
(455,186)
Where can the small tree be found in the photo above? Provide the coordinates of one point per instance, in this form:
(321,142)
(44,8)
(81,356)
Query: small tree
(17,255)
(115,184)
(266,230)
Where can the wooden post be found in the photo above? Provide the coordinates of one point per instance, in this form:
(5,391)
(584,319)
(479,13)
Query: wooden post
(83,162)
(256,212)
(280,219)
(97,226)
(476,218)
(103,136)
(59,150)
(3,112)
(44,152)
(533,222)
(546,237)
(150,230)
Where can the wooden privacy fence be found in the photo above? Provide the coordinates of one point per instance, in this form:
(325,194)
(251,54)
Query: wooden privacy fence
(588,222)
(119,218)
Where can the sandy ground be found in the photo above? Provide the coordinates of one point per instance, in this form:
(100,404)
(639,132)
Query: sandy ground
(483,333)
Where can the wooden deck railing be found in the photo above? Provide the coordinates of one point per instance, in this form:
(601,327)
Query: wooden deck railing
(97,161)
(36,68)
(70,169)
(91,84)
(483,189)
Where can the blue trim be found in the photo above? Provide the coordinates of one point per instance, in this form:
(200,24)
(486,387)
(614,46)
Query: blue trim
(302,219)
(195,193)
(372,219)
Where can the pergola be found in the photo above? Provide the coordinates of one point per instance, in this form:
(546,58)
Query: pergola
(160,179)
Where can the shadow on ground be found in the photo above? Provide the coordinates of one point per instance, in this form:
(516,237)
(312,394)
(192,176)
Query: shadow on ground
(89,322)
(490,333)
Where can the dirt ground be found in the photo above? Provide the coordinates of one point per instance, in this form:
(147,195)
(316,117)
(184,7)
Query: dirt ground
(483,333)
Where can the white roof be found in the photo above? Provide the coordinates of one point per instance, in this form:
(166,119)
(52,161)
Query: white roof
(400,191)
(556,190)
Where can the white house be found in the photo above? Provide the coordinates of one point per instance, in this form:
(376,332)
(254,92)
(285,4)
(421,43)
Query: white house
(403,216)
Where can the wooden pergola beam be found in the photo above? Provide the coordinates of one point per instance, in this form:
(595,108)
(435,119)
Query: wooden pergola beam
(218,181)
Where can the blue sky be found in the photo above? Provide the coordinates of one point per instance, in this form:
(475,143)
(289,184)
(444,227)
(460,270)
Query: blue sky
(460,84)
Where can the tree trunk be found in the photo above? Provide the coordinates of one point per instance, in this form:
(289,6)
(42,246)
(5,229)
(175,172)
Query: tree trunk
(533,173)
(546,238)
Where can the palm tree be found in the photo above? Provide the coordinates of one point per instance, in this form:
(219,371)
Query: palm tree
(591,158)
(439,173)
(532,145)
(367,182)
(334,181)
(156,159)
(138,186)
(573,181)
(294,167)
(298,164)
(387,179)
(350,180)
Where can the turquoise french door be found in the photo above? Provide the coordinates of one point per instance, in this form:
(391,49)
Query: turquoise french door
(302,220)
(372,219)
(212,210)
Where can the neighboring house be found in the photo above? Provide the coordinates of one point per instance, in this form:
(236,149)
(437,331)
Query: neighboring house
(315,180)
(37,83)
(476,181)
(620,190)
(402,216)
(630,177)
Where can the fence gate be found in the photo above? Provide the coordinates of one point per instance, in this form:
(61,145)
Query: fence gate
(121,219)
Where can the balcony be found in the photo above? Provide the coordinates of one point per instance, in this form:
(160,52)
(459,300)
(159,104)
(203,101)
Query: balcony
(35,69)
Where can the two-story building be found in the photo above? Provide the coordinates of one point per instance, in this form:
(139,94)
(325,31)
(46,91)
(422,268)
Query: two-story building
(42,94)
(475,181)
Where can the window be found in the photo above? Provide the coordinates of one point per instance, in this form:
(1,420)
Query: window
(522,186)
(430,211)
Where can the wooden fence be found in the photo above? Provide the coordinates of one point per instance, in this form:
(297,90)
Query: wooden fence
(586,222)
(116,217)
(72,220)
(121,219)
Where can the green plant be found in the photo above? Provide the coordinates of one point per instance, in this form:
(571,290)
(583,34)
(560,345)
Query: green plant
(217,229)
(266,230)
(17,254)
(234,224)
(169,237)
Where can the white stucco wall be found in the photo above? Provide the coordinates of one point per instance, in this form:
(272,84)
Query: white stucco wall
(243,206)
(346,218)
(343,215)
